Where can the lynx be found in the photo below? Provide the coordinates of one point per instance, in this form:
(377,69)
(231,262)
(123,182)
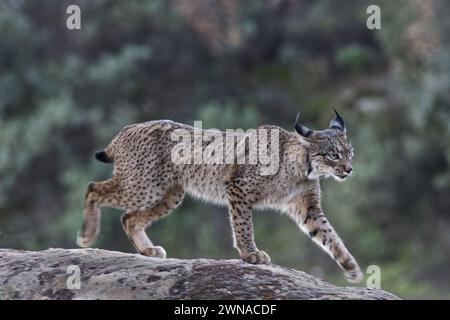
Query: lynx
(148,184)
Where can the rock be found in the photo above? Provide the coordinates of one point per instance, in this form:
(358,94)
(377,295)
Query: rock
(53,274)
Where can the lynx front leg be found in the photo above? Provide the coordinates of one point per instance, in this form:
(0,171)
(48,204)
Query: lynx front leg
(310,218)
(321,231)
(242,226)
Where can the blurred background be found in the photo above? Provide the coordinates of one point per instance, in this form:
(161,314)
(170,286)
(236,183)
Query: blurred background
(235,64)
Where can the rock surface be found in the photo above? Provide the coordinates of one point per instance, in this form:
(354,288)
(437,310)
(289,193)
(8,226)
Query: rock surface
(115,275)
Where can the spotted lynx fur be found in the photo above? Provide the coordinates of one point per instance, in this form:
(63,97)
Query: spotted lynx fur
(149,185)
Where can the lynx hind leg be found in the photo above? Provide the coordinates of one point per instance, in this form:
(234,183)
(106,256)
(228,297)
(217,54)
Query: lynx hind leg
(98,195)
(134,222)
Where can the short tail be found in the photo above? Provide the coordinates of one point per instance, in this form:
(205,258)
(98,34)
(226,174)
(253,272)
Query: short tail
(102,156)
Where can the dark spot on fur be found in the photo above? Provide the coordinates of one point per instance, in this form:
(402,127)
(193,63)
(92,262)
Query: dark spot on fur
(313,233)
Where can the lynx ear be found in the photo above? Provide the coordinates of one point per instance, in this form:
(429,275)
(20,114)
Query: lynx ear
(337,122)
(301,129)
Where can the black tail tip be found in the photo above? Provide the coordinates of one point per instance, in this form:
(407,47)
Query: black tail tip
(103,157)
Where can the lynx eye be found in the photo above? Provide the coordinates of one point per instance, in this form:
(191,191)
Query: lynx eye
(333,156)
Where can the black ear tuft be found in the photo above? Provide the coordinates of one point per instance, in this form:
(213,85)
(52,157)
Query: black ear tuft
(337,122)
(301,129)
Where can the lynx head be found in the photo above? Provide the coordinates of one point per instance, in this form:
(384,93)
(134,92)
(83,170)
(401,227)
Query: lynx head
(330,154)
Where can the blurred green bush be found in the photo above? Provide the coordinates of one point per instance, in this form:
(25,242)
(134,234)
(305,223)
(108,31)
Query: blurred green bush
(64,94)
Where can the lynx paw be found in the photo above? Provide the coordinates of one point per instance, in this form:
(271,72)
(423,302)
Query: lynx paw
(354,275)
(84,241)
(256,257)
(157,252)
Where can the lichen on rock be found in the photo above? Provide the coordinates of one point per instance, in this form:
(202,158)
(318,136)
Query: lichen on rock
(114,275)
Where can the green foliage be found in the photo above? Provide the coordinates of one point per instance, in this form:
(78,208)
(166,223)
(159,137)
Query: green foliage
(355,58)
(228,116)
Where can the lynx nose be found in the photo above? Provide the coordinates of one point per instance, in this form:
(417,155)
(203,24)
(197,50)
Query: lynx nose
(348,168)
